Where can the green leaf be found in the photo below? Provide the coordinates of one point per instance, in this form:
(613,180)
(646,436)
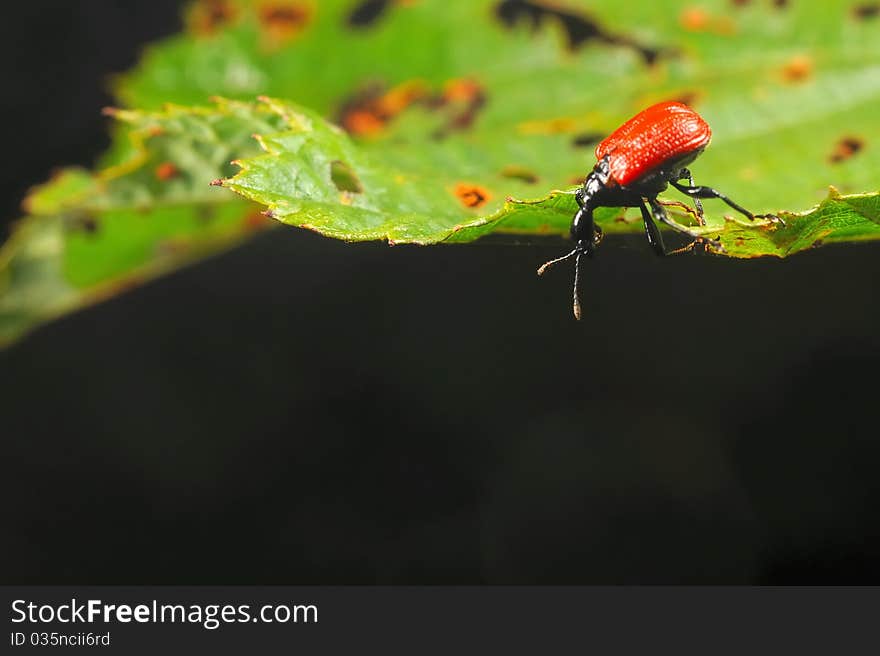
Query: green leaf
(297,179)
(505,99)
(89,236)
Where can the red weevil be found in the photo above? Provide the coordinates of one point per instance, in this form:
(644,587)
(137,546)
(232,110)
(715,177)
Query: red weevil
(635,163)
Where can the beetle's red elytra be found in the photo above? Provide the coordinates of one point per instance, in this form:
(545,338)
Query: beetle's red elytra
(650,138)
(635,163)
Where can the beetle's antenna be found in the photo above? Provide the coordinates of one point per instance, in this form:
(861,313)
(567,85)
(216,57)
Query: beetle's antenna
(576,254)
(576,302)
(547,265)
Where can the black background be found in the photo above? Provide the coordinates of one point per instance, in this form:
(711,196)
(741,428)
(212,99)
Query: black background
(307,411)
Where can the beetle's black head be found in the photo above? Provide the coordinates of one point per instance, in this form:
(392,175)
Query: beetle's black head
(591,195)
(585,233)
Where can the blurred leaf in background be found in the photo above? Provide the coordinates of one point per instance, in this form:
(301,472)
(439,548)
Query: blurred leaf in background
(90,236)
(450,109)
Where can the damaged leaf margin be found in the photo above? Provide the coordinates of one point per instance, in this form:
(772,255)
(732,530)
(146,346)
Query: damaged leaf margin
(293,180)
(89,236)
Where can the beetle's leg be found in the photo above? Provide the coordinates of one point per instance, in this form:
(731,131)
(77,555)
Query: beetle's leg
(708,192)
(685,174)
(651,231)
(597,234)
(660,215)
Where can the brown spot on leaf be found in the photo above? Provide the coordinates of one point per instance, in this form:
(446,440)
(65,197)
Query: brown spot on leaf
(846,148)
(866,10)
(579,28)
(695,19)
(698,19)
(472,195)
(463,99)
(798,69)
(462,90)
(165,171)
(282,20)
(780,4)
(362,122)
(740,3)
(208,16)
(577,179)
(400,97)
(520,173)
(587,139)
(359,114)
(370,109)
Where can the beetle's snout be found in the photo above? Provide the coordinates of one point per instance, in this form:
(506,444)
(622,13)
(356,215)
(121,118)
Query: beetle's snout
(582,219)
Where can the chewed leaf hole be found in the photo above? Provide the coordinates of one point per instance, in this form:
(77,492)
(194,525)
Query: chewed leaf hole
(367,12)
(578,27)
(345,178)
